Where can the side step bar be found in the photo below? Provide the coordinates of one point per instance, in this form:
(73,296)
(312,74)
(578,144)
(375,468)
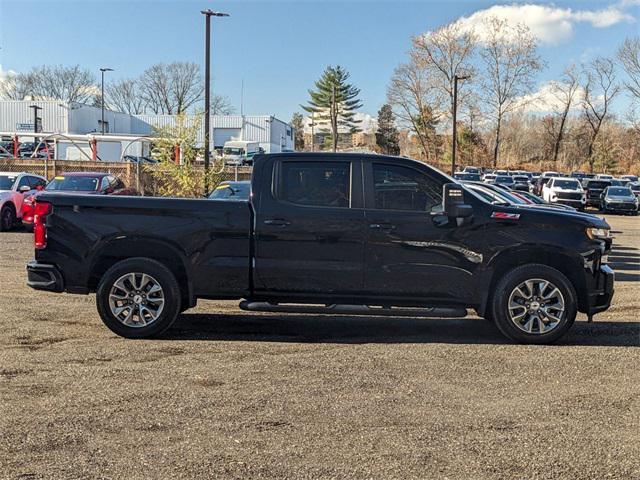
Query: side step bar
(338,309)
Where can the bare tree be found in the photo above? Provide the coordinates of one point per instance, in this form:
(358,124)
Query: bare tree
(629,56)
(565,92)
(125,96)
(416,103)
(511,62)
(17,86)
(446,53)
(171,88)
(600,89)
(68,84)
(51,82)
(221,105)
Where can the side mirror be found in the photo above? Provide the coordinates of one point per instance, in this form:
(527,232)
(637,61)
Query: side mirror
(453,202)
(24,189)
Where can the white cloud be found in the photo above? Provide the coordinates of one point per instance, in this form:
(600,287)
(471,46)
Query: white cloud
(545,100)
(549,24)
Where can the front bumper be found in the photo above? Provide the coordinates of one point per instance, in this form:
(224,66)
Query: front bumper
(572,202)
(44,276)
(602,292)
(620,207)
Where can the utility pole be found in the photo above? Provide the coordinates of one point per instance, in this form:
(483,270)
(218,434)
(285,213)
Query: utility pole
(102,70)
(454,140)
(207,89)
(313,134)
(35,123)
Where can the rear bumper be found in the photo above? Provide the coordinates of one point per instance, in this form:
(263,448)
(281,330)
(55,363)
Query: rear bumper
(602,292)
(44,276)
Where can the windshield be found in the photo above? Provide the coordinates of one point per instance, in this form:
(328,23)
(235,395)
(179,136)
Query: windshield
(233,151)
(495,197)
(620,191)
(234,191)
(567,184)
(504,179)
(74,184)
(521,179)
(6,181)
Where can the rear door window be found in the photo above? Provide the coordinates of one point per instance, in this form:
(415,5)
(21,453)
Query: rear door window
(318,184)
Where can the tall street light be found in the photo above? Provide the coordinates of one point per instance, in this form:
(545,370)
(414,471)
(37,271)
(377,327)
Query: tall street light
(207,88)
(454,142)
(102,70)
(35,123)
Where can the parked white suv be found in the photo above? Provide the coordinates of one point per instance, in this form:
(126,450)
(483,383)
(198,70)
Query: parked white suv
(567,191)
(13,187)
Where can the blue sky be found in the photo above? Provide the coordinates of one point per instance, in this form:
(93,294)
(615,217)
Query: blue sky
(280,48)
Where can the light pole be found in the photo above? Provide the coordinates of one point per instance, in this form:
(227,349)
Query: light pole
(35,123)
(207,88)
(454,142)
(102,70)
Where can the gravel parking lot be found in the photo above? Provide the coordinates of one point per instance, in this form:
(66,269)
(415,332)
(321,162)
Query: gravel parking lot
(226,394)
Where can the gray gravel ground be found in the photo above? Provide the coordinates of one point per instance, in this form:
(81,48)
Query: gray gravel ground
(234,395)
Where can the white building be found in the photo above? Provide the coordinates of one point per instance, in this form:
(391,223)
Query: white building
(16,117)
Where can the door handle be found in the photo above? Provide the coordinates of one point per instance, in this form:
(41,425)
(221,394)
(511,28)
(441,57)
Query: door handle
(382,226)
(277,222)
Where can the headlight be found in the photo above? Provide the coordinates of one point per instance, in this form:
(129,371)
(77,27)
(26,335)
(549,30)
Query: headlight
(598,233)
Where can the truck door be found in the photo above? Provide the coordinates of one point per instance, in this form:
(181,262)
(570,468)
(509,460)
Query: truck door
(411,251)
(309,226)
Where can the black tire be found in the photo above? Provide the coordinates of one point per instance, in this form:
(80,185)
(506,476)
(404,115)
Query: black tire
(499,304)
(7,217)
(169,288)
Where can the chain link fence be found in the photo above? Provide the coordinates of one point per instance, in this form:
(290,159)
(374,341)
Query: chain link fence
(134,175)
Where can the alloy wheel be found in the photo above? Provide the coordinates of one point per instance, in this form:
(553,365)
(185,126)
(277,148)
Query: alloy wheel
(536,306)
(136,299)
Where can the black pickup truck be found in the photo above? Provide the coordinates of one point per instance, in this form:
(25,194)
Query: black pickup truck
(327,233)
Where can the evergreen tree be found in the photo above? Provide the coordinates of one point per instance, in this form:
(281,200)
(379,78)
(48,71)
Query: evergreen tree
(387,134)
(334,102)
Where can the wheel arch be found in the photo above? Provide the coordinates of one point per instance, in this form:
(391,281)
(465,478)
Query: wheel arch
(119,249)
(570,264)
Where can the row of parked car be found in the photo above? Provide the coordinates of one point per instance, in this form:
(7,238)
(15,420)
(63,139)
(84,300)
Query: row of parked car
(18,192)
(577,190)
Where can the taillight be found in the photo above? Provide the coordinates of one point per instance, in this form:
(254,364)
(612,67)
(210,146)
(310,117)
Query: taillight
(41,210)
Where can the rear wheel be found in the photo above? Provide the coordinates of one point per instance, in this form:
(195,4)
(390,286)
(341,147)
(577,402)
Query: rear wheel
(138,298)
(534,304)
(7,217)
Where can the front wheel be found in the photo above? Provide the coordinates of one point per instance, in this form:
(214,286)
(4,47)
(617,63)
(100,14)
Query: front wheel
(534,304)
(138,298)
(7,218)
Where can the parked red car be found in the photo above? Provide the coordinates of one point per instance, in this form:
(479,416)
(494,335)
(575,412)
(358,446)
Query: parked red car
(90,183)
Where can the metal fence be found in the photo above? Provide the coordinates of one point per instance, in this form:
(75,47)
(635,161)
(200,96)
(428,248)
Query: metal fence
(135,175)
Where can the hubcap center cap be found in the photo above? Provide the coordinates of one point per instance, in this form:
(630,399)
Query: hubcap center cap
(137,299)
(534,306)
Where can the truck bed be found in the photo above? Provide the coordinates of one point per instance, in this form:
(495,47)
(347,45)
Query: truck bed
(207,240)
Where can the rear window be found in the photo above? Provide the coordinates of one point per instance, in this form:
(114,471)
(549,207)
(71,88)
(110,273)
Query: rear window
(74,184)
(567,184)
(597,184)
(504,179)
(520,178)
(320,184)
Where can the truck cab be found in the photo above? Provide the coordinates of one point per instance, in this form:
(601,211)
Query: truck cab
(240,152)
